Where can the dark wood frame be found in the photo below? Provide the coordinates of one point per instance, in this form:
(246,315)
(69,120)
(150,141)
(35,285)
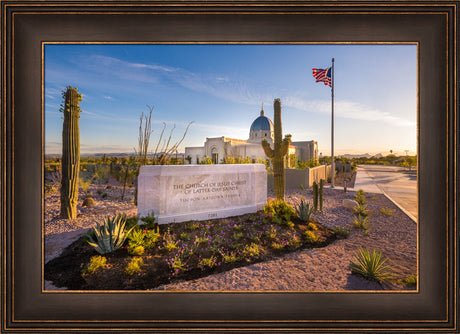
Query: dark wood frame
(26,25)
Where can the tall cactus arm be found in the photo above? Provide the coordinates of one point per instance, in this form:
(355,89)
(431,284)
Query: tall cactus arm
(285,145)
(269,152)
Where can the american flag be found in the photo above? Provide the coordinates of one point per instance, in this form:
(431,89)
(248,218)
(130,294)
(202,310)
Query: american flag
(323,75)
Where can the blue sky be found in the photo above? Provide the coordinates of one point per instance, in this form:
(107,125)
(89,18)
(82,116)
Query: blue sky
(221,89)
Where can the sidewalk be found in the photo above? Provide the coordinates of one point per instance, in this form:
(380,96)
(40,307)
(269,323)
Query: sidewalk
(400,199)
(365,182)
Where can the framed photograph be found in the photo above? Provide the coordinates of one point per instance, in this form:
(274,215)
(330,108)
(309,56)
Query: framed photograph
(38,36)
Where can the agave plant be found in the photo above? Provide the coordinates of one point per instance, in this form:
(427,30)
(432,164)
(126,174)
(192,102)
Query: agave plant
(370,265)
(110,236)
(304,210)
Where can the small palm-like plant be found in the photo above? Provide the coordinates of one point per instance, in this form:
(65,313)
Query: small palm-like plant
(110,236)
(370,265)
(360,197)
(361,222)
(361,210)
(304,210)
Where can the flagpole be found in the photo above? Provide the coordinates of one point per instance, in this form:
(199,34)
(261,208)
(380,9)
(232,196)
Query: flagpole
(332,127)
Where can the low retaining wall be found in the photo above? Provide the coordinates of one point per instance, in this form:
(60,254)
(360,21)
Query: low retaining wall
(297,177)
(176,193)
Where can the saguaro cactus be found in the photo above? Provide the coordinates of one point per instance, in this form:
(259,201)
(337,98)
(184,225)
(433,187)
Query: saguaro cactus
(70,152)
(277,154)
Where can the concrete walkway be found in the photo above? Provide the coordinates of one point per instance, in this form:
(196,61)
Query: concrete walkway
(395,183)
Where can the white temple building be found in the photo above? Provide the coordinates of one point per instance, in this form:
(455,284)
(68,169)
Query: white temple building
(220,148)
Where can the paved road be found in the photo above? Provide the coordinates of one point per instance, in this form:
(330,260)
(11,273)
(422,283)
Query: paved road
(396,182)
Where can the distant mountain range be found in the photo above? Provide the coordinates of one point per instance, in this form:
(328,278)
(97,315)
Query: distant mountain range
(365,155)
(108,155)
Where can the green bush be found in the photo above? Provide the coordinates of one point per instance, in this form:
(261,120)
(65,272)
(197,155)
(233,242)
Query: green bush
(95,263)
(342,232)
(360,197)
(371,266)
(409,281)
(110,236)
(137,251)
(149,221)
(101,174)
(387,211)
(209,262)
(361,222)
(251,250)
(132,222)
(312,227)
(311,237)
(280,212)
(361,210)
(134,266)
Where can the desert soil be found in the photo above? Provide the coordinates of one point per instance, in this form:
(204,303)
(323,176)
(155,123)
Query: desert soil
(320,269)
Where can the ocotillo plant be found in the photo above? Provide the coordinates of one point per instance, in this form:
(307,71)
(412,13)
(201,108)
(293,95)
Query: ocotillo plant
(70,152)
(277,154)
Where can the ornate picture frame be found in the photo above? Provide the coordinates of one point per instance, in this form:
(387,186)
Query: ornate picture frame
(27,25)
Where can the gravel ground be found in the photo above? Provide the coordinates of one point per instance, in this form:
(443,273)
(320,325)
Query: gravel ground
(323,269)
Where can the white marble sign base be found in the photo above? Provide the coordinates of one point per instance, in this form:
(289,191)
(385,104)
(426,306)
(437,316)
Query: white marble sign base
(177,193)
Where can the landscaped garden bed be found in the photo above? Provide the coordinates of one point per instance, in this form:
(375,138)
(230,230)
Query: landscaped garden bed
(156,255)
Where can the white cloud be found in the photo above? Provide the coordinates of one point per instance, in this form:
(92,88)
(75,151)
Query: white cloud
(222,86)
(350,110)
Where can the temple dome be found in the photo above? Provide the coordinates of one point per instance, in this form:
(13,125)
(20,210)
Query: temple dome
(262,123)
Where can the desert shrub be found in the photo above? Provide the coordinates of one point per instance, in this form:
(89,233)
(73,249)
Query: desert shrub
(176,265)
(136,251)
(277,245)
(95,263)
(209,262)
(84,184)
(311,237)
(149,221)
(370,265)
(387,211)
(251,250)
(193,226)
(409,281)
(131,222)
(312,227)
(304,210)
(206,161)
(230,257)
(136,238)
(101,174)
(361,222)
(342,232)
(134,266)
(294,241)
(169,241)
(361,210)
(360,197)
(271,233)
(280,212)
(110,236)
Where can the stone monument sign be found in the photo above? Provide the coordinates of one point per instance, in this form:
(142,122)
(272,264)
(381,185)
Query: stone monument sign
(177,193)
